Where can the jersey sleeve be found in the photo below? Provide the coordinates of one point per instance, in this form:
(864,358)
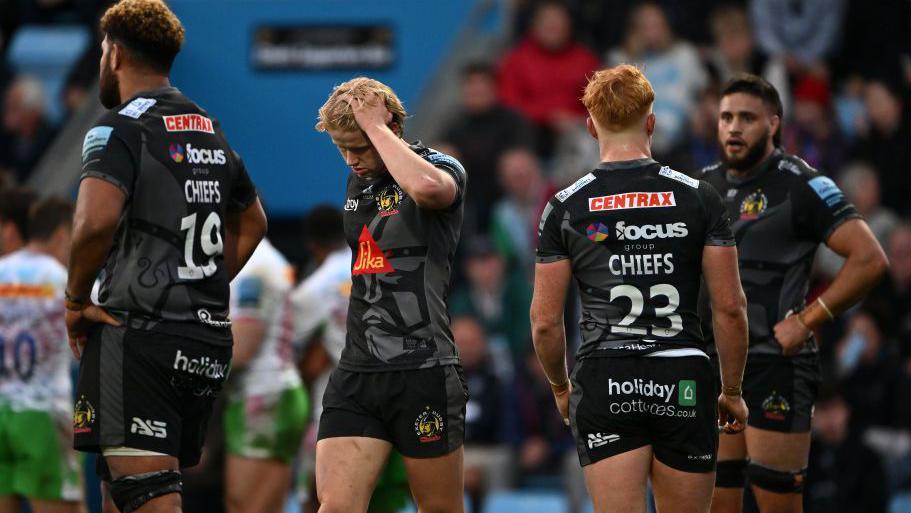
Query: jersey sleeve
(820,207)
(243,192)
(453,168)
(551,246)
(718,223)
(109,152)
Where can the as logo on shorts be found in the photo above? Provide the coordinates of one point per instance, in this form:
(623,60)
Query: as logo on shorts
(428,425)
(83,416)
(775,407)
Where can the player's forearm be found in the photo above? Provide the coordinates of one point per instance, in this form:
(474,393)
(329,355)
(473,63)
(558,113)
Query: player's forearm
(89,249)
(861,271)
(549,338)
(732,343)
(420,180)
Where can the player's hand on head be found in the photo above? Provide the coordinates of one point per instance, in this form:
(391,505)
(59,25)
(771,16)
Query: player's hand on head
(369,111)
(78,323)
(791,334)
(732,413)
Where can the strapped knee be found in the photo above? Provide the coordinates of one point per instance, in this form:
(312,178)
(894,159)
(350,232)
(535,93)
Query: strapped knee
(730,474)
(778,481)
(131,492)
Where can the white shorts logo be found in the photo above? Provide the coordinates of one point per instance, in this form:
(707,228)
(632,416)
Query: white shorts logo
(153,428)
(599,439)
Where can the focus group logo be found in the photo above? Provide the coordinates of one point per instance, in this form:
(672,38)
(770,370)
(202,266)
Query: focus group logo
(649,396)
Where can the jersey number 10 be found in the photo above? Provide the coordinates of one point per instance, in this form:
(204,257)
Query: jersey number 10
(211,244)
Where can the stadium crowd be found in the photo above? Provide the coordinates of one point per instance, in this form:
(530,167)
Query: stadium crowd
(843,68)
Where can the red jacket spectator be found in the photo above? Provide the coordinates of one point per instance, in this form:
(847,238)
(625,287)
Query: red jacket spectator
(544,76)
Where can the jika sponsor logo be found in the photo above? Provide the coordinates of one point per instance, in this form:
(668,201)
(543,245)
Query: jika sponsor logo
(204,366)
(599,439)
(632,200)
(370,258)
(188,123)
(650,231)
(153,428)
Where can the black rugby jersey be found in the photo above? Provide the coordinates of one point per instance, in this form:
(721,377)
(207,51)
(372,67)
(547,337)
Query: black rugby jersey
(780,213)
(635,232)
(165,271)
(400,271)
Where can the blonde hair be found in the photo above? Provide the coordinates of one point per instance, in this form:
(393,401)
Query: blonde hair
(617,97)
(336,113)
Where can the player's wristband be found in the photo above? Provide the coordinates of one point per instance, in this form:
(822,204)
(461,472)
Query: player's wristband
(74,303)
(825,308)
(732,390)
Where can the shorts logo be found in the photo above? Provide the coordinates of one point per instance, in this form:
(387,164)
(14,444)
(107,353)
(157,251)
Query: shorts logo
(686,392)
(775,407)
(599,439)
(370,258)
(597,232)
(188,123)
(428,426)
(630,200)
(204,366)
(153,428)
(753,205)
(387,200)
(83,416)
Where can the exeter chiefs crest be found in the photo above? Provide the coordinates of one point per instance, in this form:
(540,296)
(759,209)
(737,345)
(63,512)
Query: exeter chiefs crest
(753,205)
(388,199)
(83,416)
(428,425)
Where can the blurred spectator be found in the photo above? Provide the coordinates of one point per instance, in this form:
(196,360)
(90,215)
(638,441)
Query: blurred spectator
(860,183)
(864,366)
(735,51)
(803,32)
(28,132)
(700,146)
(481,132)
(850,111)
(488,458)
(813,133)
(15,204)
(544,75)
(844,475)
(499,297)
(672,66)
(576,154)
(515,217)
(886,144)
(891,299)
(545,439)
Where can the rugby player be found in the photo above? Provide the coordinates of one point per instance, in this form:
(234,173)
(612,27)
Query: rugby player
(782,209)
(637,237)
(320,313)
(266,414)
(37,461)
(399,382)
(165,217)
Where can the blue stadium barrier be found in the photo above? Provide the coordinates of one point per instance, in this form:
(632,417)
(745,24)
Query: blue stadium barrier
(526,502)
(900,503)
(48,53)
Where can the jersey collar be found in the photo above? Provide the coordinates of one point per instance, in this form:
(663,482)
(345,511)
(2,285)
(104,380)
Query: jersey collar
(760,170)
(626,164)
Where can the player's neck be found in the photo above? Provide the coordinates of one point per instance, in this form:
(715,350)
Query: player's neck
(619,149)
(135,83)
(42,248)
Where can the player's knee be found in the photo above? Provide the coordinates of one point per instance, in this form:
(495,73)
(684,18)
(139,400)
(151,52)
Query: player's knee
(340,503)
(730,474)
(131,492)
(776,481)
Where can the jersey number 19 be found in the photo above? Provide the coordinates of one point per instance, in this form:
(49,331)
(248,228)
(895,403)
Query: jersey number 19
(210,243)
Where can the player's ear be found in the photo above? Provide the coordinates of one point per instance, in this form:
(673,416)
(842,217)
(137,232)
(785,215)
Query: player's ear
(650,124)
(592,130)
(396,127)
(116,56)
(774,124)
